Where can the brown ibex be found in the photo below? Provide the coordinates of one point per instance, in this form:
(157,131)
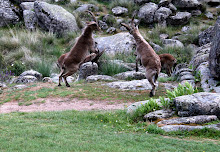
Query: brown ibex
(167,62)
(147,55)
(70,62)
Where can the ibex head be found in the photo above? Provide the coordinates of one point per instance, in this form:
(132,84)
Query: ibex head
(93,24)
(132,28)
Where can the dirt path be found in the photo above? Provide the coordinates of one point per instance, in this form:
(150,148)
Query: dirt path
(60,104)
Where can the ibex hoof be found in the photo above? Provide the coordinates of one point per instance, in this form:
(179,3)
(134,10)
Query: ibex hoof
(151,94)
(67,85)
(59,85)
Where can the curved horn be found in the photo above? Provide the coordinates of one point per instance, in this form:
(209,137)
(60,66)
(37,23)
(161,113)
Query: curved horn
(93,16)
(125,25)
(133,16)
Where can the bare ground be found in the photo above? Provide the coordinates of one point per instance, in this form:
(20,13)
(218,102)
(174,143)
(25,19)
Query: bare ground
(60,104)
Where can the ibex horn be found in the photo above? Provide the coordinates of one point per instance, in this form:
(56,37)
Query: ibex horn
(92,16)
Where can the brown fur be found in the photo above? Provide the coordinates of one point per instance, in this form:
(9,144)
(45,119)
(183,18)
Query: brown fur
(167,62)
(70,62)
(149,59)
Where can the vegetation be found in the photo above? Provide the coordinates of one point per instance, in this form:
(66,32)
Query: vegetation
(93,131)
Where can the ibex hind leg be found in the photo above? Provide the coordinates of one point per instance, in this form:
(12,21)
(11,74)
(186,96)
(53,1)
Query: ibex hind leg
(151,77)
(61,75)
(69,73)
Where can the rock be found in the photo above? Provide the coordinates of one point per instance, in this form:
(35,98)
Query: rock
(201,55)
(211,2)
(146,12)
(87,69)
(164,36)
(118,43)
(119,10)
(3,85)
(187,77)
(206,36)
(140,2)
(54,18)
(178,68)
(27,6)
(214,57)
(187,4)
(164,3)
(86,7)
(111,30)
(103,25)
(130,75)
(131,85)
(55,78)
(207,82)
(7,14)
(94,78)
(172,7)
(209,15)
(47,79)
(32,73)
(169,128)
(172,43)
(30,19)
(202,103)
(181,18)
(185,29)
(201,119)
(196,12)
(133,107)
(162,14)
(26,79)
(156,47)
(20,86)
(159,114)
(169,86)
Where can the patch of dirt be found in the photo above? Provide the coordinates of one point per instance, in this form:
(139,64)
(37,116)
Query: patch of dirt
(61,104)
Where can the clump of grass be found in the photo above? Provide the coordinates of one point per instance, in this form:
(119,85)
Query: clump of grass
(127,57)
(166,79)
(44,68)
(111,68)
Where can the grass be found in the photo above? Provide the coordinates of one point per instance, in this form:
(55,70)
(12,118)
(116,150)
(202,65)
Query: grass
(88,131)
(91,91)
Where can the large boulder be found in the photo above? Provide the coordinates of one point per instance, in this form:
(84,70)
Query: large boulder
(54,18)
(87,69)
(94,78)
(118,43)
(7,14)
(162,14)
(140,2)
(206,36)
(27,6)
(172,43)
(30,19)
(146,12)
(187,4)
(32,73)
(159,114)
(130,75)
(86,7)
(203,103)
(214,57)
(181,18)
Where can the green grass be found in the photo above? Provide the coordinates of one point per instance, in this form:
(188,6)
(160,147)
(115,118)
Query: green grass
(87,131)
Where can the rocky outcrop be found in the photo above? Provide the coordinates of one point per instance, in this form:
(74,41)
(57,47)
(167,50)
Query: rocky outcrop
(54,18)
(201,119)
(140,2)
(86,70)
(30,19)
(159,114)
(214,57)
(146,12)
(121,42)
(7,14)
(206,36)
(162,14)
(172,43)
(86,7)
(203,103)
(32,73)
(187,4)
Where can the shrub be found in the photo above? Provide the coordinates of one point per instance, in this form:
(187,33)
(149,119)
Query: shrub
(17,68)
(111,68)
(44,68)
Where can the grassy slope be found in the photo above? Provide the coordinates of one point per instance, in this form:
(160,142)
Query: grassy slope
(86,131)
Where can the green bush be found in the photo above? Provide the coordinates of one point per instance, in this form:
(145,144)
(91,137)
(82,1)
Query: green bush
(44,68)
(111,68)
(17,68)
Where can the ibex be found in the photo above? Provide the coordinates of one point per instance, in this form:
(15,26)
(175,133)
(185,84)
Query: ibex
(70,62)
(146,54)
(167,63)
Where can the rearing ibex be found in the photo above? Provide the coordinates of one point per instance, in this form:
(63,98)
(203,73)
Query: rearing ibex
(70,62)
(148,57)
